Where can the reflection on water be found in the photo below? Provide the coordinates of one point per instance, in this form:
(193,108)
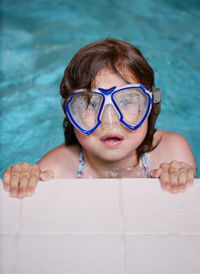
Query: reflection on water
(121,173)
(126,173)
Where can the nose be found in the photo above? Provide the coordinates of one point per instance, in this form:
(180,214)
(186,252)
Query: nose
(110,118)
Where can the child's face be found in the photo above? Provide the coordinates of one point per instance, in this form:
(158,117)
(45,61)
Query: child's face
(112,141)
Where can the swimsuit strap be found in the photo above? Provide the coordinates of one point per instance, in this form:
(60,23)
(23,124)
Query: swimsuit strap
(80,172)
(146,164)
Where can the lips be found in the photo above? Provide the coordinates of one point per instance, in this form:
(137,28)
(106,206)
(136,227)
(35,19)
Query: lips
(112,140)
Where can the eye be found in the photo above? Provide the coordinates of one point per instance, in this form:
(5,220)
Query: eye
(126,102)
(94,102)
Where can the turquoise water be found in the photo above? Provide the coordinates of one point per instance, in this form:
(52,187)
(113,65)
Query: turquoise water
(38,38)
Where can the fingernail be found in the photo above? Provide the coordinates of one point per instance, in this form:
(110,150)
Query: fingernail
(181,188)
(166,186)
(174,189)
(21,194)
(7,188)
(13,193)
(29,193)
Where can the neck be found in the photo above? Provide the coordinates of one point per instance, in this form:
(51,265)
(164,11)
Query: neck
(105,169)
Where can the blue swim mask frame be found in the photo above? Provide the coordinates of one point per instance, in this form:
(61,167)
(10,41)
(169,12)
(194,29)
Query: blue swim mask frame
(153,96)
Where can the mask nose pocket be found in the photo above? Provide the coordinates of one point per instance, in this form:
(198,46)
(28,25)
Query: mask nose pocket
(109,118)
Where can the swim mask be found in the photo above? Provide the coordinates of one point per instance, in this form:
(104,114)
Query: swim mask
(131,104)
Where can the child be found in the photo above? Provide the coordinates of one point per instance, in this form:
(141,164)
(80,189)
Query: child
(111,106)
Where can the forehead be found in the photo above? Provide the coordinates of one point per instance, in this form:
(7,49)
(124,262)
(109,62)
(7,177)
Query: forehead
(107,78)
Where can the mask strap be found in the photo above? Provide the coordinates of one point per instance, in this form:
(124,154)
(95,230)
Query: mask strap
(156,95)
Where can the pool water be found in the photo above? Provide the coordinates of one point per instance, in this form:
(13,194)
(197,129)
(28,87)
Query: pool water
(38,39)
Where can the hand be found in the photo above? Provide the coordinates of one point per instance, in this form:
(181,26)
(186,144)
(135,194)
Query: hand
(20,180)
(175,176)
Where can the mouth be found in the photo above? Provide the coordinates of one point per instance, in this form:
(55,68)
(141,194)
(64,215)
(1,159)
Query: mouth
(112,140)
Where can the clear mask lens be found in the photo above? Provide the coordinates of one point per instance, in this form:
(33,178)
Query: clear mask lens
(132,103)
(84,109)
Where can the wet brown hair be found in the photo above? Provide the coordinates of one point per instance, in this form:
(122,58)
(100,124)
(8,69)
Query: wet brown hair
(118,56)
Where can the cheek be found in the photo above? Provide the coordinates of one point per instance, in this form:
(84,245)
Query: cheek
(138,135)
(143,129)
(83,139)
(79,135)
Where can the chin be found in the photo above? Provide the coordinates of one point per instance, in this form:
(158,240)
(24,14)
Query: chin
(115,155)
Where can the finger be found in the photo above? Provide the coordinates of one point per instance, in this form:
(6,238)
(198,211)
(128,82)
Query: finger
(24,179)
(182,176)
(6,179)
(14,181)
(22,185)
(173,176)
(33,180)
(25,168)
(46,175)
(164,177)
(190,176)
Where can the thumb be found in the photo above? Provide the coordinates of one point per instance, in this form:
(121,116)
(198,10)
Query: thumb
(46,175)
(155,173)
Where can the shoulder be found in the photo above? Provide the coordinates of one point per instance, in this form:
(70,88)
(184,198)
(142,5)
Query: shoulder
(170,139)
(171,146)
(62,160)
